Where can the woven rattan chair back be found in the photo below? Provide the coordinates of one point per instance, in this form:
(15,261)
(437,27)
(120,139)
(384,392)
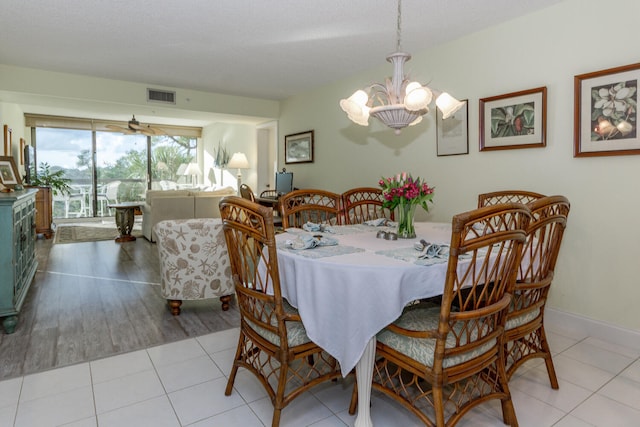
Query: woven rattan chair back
(507,196)
(525,336)
(439,362)
(247,193)
(273,344)
(318,206)
(364,204)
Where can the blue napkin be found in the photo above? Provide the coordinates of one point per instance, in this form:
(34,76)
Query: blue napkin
(312,226)
(379,222)
(434,250)
(307,241)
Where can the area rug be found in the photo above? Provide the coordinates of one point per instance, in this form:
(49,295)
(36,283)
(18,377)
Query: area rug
(80,233)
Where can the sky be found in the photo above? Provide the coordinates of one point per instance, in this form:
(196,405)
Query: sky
(61,147)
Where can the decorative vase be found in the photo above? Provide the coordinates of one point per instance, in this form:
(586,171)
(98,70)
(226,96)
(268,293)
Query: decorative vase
(406,212)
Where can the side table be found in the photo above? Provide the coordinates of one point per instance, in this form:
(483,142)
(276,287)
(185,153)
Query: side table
(125,214)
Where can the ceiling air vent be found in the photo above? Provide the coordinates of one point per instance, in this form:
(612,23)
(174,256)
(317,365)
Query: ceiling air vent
(164,96)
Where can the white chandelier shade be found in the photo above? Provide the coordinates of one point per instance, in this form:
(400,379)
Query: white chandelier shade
(398,102)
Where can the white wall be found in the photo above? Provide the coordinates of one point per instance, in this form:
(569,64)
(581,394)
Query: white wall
(598,270)
(236,138)
(12,116)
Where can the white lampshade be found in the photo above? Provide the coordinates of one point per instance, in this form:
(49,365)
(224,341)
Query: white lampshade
(448,105)
(192,169)
(417,97)
(238,161)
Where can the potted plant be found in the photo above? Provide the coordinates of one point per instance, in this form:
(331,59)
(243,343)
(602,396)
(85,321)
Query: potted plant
(56,180)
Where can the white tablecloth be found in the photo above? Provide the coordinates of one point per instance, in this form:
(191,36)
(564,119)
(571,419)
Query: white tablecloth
(346,299)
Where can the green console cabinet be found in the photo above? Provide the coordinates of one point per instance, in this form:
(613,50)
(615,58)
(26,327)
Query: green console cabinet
(17,252)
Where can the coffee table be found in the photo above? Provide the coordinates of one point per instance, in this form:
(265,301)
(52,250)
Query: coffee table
(125,214)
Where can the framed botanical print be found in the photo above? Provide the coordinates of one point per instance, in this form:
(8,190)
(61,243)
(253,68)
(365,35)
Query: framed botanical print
(606,112)
(514,120)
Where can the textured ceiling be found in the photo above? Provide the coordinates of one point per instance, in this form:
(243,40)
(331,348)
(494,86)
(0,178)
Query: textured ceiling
(268,49)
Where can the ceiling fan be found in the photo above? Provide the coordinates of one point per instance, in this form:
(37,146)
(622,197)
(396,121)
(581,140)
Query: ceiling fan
(134,127)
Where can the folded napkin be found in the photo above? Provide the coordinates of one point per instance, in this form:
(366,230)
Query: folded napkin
(312,226)
(434,250)
(378,222)
(307,241)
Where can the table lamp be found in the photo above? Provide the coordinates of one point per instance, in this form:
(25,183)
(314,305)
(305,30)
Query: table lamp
(193,169)
(239,161)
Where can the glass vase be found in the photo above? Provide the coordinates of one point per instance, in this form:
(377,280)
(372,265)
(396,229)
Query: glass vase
(406,212)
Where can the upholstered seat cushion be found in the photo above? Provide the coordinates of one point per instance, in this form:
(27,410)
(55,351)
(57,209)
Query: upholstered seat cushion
(522,319)
(422,349)
(296,333)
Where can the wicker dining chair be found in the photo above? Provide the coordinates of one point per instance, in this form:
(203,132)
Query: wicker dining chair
(318,206)
(506,196)
(441,361)
(269,193)
(247,193)
(273,343)
(363,204)
(525,337)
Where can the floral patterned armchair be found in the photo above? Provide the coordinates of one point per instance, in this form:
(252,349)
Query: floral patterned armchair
(194,261)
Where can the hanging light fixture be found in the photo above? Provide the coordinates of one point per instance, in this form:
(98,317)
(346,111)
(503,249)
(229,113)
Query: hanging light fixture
(398,102)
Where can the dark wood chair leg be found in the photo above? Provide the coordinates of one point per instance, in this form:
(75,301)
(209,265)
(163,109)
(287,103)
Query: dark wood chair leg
(174,306)
(225,300)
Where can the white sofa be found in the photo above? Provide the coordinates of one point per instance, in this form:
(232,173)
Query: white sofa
(163,205)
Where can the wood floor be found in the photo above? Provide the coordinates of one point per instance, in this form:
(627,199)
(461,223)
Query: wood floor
(96,299)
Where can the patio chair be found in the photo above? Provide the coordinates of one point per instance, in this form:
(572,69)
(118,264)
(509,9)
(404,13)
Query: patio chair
(364,204)
(273,343)
(441,361)
(318,206)
(108,194)
(525,337)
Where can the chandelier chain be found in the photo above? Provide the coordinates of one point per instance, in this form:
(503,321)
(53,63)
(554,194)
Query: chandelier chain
(398,32)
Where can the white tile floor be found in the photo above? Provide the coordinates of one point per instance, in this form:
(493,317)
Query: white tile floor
(182,384)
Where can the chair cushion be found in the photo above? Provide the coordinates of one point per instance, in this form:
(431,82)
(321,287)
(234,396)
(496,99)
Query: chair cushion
(522,319)
(296,333)
(422,349)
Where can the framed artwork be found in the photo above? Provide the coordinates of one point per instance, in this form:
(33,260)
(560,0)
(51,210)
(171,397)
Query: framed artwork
(298,147)
(514,120)
(606,112)
(7,140)
(452,133)
(9,176)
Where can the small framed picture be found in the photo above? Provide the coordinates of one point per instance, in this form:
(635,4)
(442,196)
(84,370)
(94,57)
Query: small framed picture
(514,120)
(452,136)
(298,147)
(9,176)
(606,112)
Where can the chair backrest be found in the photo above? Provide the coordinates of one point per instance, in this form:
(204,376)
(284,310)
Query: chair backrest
(318,206)
(111,190)
(249,233)
(507,196)
(364,204)
(269,193)
(540,253)
(485,250)
(247,193)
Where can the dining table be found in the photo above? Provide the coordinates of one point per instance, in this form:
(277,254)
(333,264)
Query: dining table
(352,281)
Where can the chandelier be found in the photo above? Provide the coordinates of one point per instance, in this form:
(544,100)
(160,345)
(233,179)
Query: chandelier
(398,102)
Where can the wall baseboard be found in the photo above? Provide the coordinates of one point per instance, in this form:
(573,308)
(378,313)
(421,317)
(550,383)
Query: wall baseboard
(580,327)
